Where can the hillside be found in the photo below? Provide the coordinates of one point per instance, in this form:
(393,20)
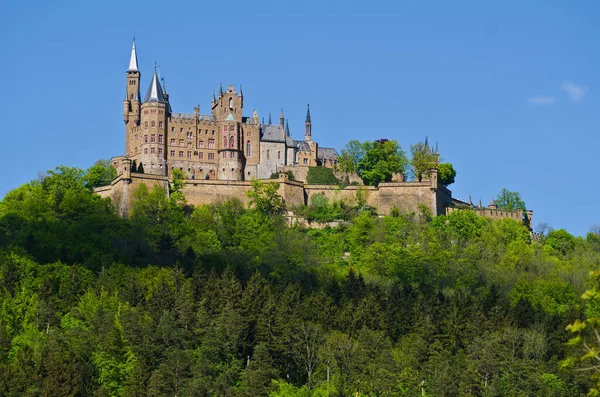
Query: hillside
(224,300)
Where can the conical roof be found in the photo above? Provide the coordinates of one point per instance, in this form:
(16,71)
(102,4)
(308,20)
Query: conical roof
(133,64)
(155,92)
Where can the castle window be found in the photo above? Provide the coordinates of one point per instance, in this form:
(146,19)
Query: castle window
(145,138)
(224,155)
(152,150)
(278,155)
(153,123)
(160,112)
(248,149)
(249,134)
(160,150)
(181,154)
(181,130)
(211,143)
(224,128)
(153,138)
(172,129)
(201,156)
(131,96)
(189,136)
(146,111)
(230,103)
(232,155)
(160,124)
(172,153)
(145,150)
(172,141)
(305,161)
(189,155)
(145,124)
(181,142)
(213,132)
(231,142)
(160,138)
(200,143)
(268,154)
(211,156)
(231,128)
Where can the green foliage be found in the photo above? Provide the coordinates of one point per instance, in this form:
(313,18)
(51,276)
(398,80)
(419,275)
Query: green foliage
(446,174)
(321,176)
(264,197)
(382,159)
(509,201)
(102,173)
(422,159)
(350,156)
(228,301)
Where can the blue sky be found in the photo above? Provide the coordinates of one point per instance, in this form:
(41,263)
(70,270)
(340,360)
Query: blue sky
(507,89)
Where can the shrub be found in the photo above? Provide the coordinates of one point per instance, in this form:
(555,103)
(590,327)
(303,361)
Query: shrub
(321,176)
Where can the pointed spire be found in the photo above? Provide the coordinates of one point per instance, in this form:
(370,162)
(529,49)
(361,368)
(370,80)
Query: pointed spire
(263,120)
(220,89)
(269,118)
(308,113)
(493,204)
(470,201)
(437,151)
(241,92)
(155,92)
(214,96)
(287,128)
(281,116)
(133,64)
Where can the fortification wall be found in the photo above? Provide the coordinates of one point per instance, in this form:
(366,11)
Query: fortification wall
(405,196)
(491,213)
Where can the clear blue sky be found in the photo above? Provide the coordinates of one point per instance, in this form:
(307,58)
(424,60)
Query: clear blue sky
(507,89)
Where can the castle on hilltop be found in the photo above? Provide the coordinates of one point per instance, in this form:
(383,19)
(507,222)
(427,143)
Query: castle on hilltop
(222,145)
(221,152)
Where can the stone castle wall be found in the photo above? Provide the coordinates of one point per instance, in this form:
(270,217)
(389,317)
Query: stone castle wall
(405,196)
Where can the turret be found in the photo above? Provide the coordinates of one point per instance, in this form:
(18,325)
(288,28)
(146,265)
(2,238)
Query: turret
(131,103)
(308,126)
(153,131)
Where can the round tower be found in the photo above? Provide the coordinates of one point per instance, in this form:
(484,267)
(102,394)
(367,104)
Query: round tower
(232,161)
(153,130)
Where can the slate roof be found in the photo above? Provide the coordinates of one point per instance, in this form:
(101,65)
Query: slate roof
(327,153)
(155,92)
(133,64)
(271,133)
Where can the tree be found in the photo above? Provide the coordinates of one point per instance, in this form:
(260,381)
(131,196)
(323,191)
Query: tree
(446,174)
(348,159)
(264,197)
(509,201)
(586,337)
(102,173)
(383,158)
(423,159)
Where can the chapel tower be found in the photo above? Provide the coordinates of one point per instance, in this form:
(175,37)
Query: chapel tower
(153,129)
(131,104)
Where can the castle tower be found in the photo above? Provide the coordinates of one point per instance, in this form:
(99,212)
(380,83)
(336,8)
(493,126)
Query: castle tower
(228,103)
(131,104)
(153,131)
(308,126)
(231,157)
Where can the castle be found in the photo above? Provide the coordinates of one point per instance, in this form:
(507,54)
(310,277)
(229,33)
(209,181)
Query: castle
(222,145)
(220,153)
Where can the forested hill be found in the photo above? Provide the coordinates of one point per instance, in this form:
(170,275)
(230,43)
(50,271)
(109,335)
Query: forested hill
(228,301)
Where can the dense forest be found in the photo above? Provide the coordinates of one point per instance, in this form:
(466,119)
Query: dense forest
(225,300)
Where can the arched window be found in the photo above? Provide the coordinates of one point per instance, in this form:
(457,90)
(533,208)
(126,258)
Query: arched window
(278,155)
(230,103)
(248,149)
(268,154)
(231,142)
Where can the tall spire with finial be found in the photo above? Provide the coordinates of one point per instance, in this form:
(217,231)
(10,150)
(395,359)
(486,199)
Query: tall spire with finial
(282,120)
(241,92)
(287,128)
(269,118)
(308,125)
(133,63)
(220,89)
